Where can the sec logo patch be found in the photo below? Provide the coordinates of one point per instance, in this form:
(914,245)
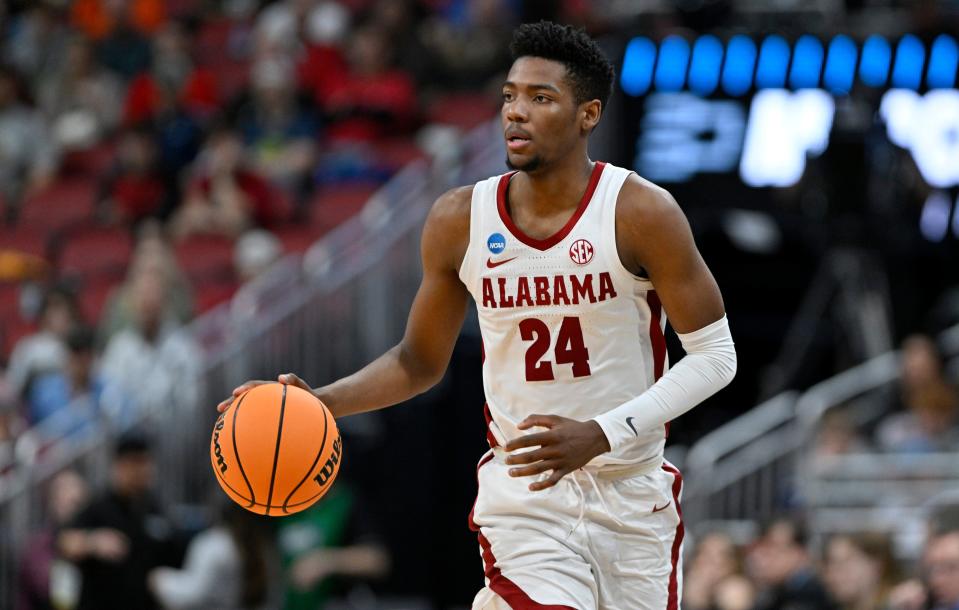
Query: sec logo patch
(581,252)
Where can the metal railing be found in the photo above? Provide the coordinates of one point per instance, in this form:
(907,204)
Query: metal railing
(761,464)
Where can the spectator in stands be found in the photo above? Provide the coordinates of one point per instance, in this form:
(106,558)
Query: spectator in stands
(10,426)
(714,559)
(374,99)
(930,422)
(121,535)
(68,402)
(325,545)
(172,72)
(472,46)
(837,435)
(26,146)
(45,350)
(226,198)
(82,99)
(255,252)
(859,570)
(226,566)
(37,41)
(285,26)
(67,492)
(782,568)
(939,587)
(152,256)
(120,30)
(136,189)
(278,125)
(155,359)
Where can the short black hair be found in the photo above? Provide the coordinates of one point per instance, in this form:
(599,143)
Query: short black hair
(588,69)
(132,443)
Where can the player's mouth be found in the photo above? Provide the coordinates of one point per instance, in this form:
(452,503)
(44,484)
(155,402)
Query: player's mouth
(517,142)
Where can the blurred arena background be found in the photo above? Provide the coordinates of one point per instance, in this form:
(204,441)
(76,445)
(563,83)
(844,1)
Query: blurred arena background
(198,192)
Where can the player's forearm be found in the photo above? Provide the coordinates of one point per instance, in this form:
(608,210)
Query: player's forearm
(392,378)
(709,365)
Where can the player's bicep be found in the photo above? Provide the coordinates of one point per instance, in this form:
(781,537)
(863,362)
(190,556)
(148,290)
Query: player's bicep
(666,249)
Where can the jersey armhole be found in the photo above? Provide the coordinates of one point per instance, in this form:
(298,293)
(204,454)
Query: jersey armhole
(609,231)
(465,270)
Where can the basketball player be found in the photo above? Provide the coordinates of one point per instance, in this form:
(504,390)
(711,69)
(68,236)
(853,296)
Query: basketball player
(573,265)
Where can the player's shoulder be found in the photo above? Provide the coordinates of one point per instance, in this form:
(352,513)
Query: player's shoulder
(454,202)
(451,210)
(447,227)
(642,202)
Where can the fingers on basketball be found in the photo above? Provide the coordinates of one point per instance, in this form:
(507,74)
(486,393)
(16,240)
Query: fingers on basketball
(277,450)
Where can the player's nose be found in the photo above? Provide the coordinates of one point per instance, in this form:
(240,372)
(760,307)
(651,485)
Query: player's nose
(515,112)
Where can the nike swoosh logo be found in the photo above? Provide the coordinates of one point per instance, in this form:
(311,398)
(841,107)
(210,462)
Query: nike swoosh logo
(491,265)
(629,422)
(656,509)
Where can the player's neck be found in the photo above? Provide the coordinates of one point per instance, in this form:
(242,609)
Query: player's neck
(557,187)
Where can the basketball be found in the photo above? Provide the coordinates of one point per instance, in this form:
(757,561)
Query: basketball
(276,450)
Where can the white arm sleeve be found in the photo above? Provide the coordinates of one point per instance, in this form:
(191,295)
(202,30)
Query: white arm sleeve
(709,364)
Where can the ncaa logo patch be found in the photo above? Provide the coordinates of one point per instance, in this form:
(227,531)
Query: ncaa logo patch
(496,243)
(581,252)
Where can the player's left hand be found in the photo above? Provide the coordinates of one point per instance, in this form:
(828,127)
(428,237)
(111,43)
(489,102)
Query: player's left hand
(566,446)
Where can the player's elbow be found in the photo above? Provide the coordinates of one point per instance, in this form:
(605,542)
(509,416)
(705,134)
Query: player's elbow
(422,371)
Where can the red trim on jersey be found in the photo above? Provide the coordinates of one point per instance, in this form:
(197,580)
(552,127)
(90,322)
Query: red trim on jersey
(486,458)
(549,242)
(656,338)
(502,586)
(673,600)
(489,432)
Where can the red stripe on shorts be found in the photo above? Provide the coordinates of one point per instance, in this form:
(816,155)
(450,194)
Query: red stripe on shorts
(502,586)
(506,588)
(673,600)
(656,337)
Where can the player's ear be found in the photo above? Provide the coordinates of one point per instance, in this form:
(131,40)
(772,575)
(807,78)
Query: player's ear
(589,115)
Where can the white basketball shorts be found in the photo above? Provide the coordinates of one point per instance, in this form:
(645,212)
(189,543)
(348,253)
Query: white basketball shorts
(594,541)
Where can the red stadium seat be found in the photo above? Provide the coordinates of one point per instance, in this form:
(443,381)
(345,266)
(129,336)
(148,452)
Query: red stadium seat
(9,301)
(96,252)
(206,258)
(332,206)
(297,238)
(209,295)
(93,296)
(63,203)
(93,161)
(25,238)
(463,110)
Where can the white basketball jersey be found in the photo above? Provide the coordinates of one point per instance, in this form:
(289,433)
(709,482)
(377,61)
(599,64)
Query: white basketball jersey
(567,330)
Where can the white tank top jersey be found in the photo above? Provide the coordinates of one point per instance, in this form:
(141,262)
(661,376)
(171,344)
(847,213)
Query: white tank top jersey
(567,329)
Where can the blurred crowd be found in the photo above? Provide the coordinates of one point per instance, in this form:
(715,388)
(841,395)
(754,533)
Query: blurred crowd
(155,156)
(118,547)
(779,569)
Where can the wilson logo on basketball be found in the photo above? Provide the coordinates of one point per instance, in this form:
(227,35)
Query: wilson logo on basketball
(329,469)
(220,462)
(581,252)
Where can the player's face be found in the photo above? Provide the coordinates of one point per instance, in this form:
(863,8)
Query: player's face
(539,114)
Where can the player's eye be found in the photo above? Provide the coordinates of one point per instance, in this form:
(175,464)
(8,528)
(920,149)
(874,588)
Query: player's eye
(507,96)
(540,99)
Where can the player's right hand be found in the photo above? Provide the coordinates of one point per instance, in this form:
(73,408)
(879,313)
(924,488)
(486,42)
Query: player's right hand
(287,378)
